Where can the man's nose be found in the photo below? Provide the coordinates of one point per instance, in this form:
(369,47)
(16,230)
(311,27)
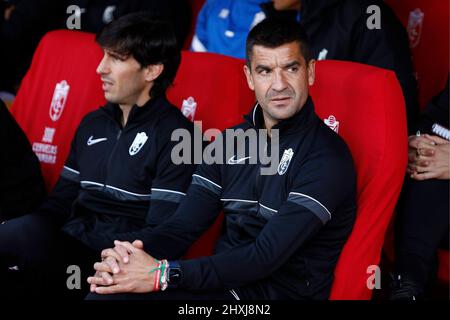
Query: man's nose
(279,81)
(102,67)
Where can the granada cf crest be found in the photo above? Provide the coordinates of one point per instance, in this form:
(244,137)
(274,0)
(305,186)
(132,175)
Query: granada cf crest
(59,100)
(285,161)
(332,123)
(138,143)
(188,108)
(415,23)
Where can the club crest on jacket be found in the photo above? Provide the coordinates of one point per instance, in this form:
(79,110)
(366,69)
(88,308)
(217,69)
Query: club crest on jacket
(285,161)
(138,143)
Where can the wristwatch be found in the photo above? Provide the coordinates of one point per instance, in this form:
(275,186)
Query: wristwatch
(174,274)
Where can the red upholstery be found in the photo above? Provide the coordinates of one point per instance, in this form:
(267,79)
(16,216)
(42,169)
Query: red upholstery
(444,266)
(367,101)
(218,86)
(429,41)
(61,56)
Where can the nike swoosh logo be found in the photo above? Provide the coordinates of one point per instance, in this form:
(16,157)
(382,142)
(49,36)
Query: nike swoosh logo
(233,160)
(91,141)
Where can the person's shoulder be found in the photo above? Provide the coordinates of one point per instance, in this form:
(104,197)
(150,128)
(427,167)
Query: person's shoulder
(92,118)
(330,142)
(172,118)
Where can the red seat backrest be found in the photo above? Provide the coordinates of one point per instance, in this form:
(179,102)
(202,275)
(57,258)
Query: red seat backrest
(368,104)
(60,87)
(427,23)
(217,85)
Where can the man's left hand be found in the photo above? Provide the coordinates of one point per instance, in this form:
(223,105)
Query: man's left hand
(134,276)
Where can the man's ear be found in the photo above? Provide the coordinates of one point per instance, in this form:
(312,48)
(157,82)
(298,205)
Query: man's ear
(311,72)
(248,75)
(153,71)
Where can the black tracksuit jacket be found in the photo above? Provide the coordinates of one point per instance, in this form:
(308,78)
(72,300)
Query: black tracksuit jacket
(282,233)
(119,180)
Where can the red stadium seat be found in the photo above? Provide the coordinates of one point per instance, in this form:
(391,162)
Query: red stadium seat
(427,23)
(216,85)
(366,104)
(60,87)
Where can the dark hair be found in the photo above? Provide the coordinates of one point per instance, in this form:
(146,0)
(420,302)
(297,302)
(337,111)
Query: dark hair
(273,32)
(148,40)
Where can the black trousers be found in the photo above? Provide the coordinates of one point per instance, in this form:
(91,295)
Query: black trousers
(421,227)
(37,258)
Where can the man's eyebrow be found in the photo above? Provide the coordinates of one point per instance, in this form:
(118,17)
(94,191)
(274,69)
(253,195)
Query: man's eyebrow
(262,67)
(294,63)
(115,54)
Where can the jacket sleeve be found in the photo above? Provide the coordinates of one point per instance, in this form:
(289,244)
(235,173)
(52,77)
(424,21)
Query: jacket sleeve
(437,111)
(194,215)
(168,186)
(388,47)
(309,206)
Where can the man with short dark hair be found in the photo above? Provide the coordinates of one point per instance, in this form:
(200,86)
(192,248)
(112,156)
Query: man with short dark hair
(348,30)
(283,230)
(119,180)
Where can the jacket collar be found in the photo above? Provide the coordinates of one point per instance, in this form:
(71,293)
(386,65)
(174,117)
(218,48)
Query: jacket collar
(137,114)
(298,122)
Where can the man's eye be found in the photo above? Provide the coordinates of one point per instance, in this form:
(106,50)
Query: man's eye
(293,69)
(264,72)
(116,58)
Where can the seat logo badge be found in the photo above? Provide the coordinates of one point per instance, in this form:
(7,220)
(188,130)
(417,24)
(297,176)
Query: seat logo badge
(332,123)
(59,100)
(138,143)
(189,107)
(285,161)
(415,24)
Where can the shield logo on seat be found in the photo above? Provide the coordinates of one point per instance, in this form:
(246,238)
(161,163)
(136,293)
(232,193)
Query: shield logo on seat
(188,108)
(415,23)
(332,123)
(138,143)
(285,161)
(59,100)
